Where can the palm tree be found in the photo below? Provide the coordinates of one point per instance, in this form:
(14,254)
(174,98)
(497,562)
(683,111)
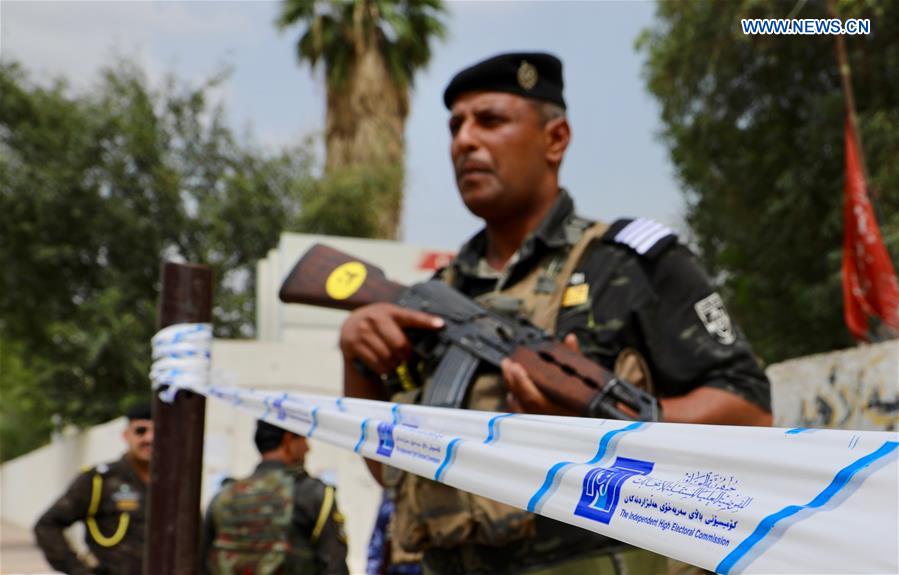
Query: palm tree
(370,50)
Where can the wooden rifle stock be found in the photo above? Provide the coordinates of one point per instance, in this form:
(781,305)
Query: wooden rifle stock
(556,382)
(330,278)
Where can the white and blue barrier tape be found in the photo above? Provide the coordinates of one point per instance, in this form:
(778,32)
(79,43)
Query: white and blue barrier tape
(728,499)
(181,357)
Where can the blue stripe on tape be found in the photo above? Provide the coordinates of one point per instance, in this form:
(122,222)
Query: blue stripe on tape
(607,439)
(314,421)
(493,428)
(362,433)
(547,483)
(340,404)
(553,476)
(267,407)
(797,430)
(395,410)
(279,405)
(447,459)
(753,546)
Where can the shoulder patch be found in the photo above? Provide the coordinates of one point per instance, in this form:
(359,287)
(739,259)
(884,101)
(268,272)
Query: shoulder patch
(647,237)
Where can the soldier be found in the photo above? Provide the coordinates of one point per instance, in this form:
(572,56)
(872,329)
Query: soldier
(628,295)
(279,520)
(111,501)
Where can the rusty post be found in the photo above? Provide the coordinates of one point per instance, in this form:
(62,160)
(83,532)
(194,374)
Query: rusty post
(173,524)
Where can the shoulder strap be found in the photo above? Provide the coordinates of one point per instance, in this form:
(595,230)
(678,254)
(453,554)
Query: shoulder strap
(92,527)
(546,313)
(323,513)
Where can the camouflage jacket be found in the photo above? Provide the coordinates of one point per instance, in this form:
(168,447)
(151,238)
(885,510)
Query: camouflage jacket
(111,500)
(277,521)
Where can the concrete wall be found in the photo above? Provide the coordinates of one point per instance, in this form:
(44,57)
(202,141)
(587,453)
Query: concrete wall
(856,388)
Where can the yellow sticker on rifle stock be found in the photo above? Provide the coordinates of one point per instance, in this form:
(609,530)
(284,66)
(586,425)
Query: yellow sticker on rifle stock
(575,295)
(345,280)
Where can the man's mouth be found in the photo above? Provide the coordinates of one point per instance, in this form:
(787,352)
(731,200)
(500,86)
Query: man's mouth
(470,167)
(474,171)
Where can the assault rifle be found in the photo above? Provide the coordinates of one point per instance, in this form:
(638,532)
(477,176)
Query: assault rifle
(471,334)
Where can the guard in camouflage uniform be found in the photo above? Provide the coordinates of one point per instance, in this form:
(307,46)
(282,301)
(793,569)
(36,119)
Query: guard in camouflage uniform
(279,520)
(111,501)
(626,294)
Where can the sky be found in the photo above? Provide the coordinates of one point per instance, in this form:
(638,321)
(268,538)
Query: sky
(616,165)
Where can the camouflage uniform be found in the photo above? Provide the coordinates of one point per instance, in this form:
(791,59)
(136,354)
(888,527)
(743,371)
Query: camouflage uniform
(111,500)
(277,521)
(641,308)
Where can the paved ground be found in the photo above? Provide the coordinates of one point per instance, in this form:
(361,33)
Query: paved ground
(18,554)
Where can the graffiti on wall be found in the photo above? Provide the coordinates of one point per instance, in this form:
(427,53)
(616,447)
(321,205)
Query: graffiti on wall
(846,399)
(853,389)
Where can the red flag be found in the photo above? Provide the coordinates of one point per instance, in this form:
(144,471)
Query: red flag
(870,287)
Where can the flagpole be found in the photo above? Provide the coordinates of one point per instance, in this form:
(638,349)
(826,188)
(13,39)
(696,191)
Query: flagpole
(849,95)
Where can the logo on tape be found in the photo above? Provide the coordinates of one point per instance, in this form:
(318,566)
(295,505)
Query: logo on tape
(385,439)
(602,488)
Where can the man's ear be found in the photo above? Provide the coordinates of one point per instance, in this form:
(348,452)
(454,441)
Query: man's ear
(286,438)
(558,134)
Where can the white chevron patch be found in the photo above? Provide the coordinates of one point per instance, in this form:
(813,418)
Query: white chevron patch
(642,234)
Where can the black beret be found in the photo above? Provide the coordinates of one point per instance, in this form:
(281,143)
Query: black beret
(534,75)
(139,411)
(267,436)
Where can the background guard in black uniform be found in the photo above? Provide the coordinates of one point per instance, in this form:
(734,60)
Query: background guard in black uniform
(111,501)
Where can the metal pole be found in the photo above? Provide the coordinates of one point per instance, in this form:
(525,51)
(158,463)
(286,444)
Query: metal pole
(173,524)
(849,95)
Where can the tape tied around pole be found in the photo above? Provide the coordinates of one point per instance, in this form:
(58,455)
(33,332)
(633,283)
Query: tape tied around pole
(181,359)
(725,498)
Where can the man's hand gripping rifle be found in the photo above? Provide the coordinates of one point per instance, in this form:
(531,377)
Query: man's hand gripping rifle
(472,334)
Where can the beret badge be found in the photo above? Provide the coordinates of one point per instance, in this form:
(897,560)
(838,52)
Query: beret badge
(527,75)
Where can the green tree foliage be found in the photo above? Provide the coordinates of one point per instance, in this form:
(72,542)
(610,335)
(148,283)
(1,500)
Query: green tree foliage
(96,190)
(331,204)
(755,129)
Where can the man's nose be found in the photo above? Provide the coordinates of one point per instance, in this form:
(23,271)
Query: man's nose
(465,138)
